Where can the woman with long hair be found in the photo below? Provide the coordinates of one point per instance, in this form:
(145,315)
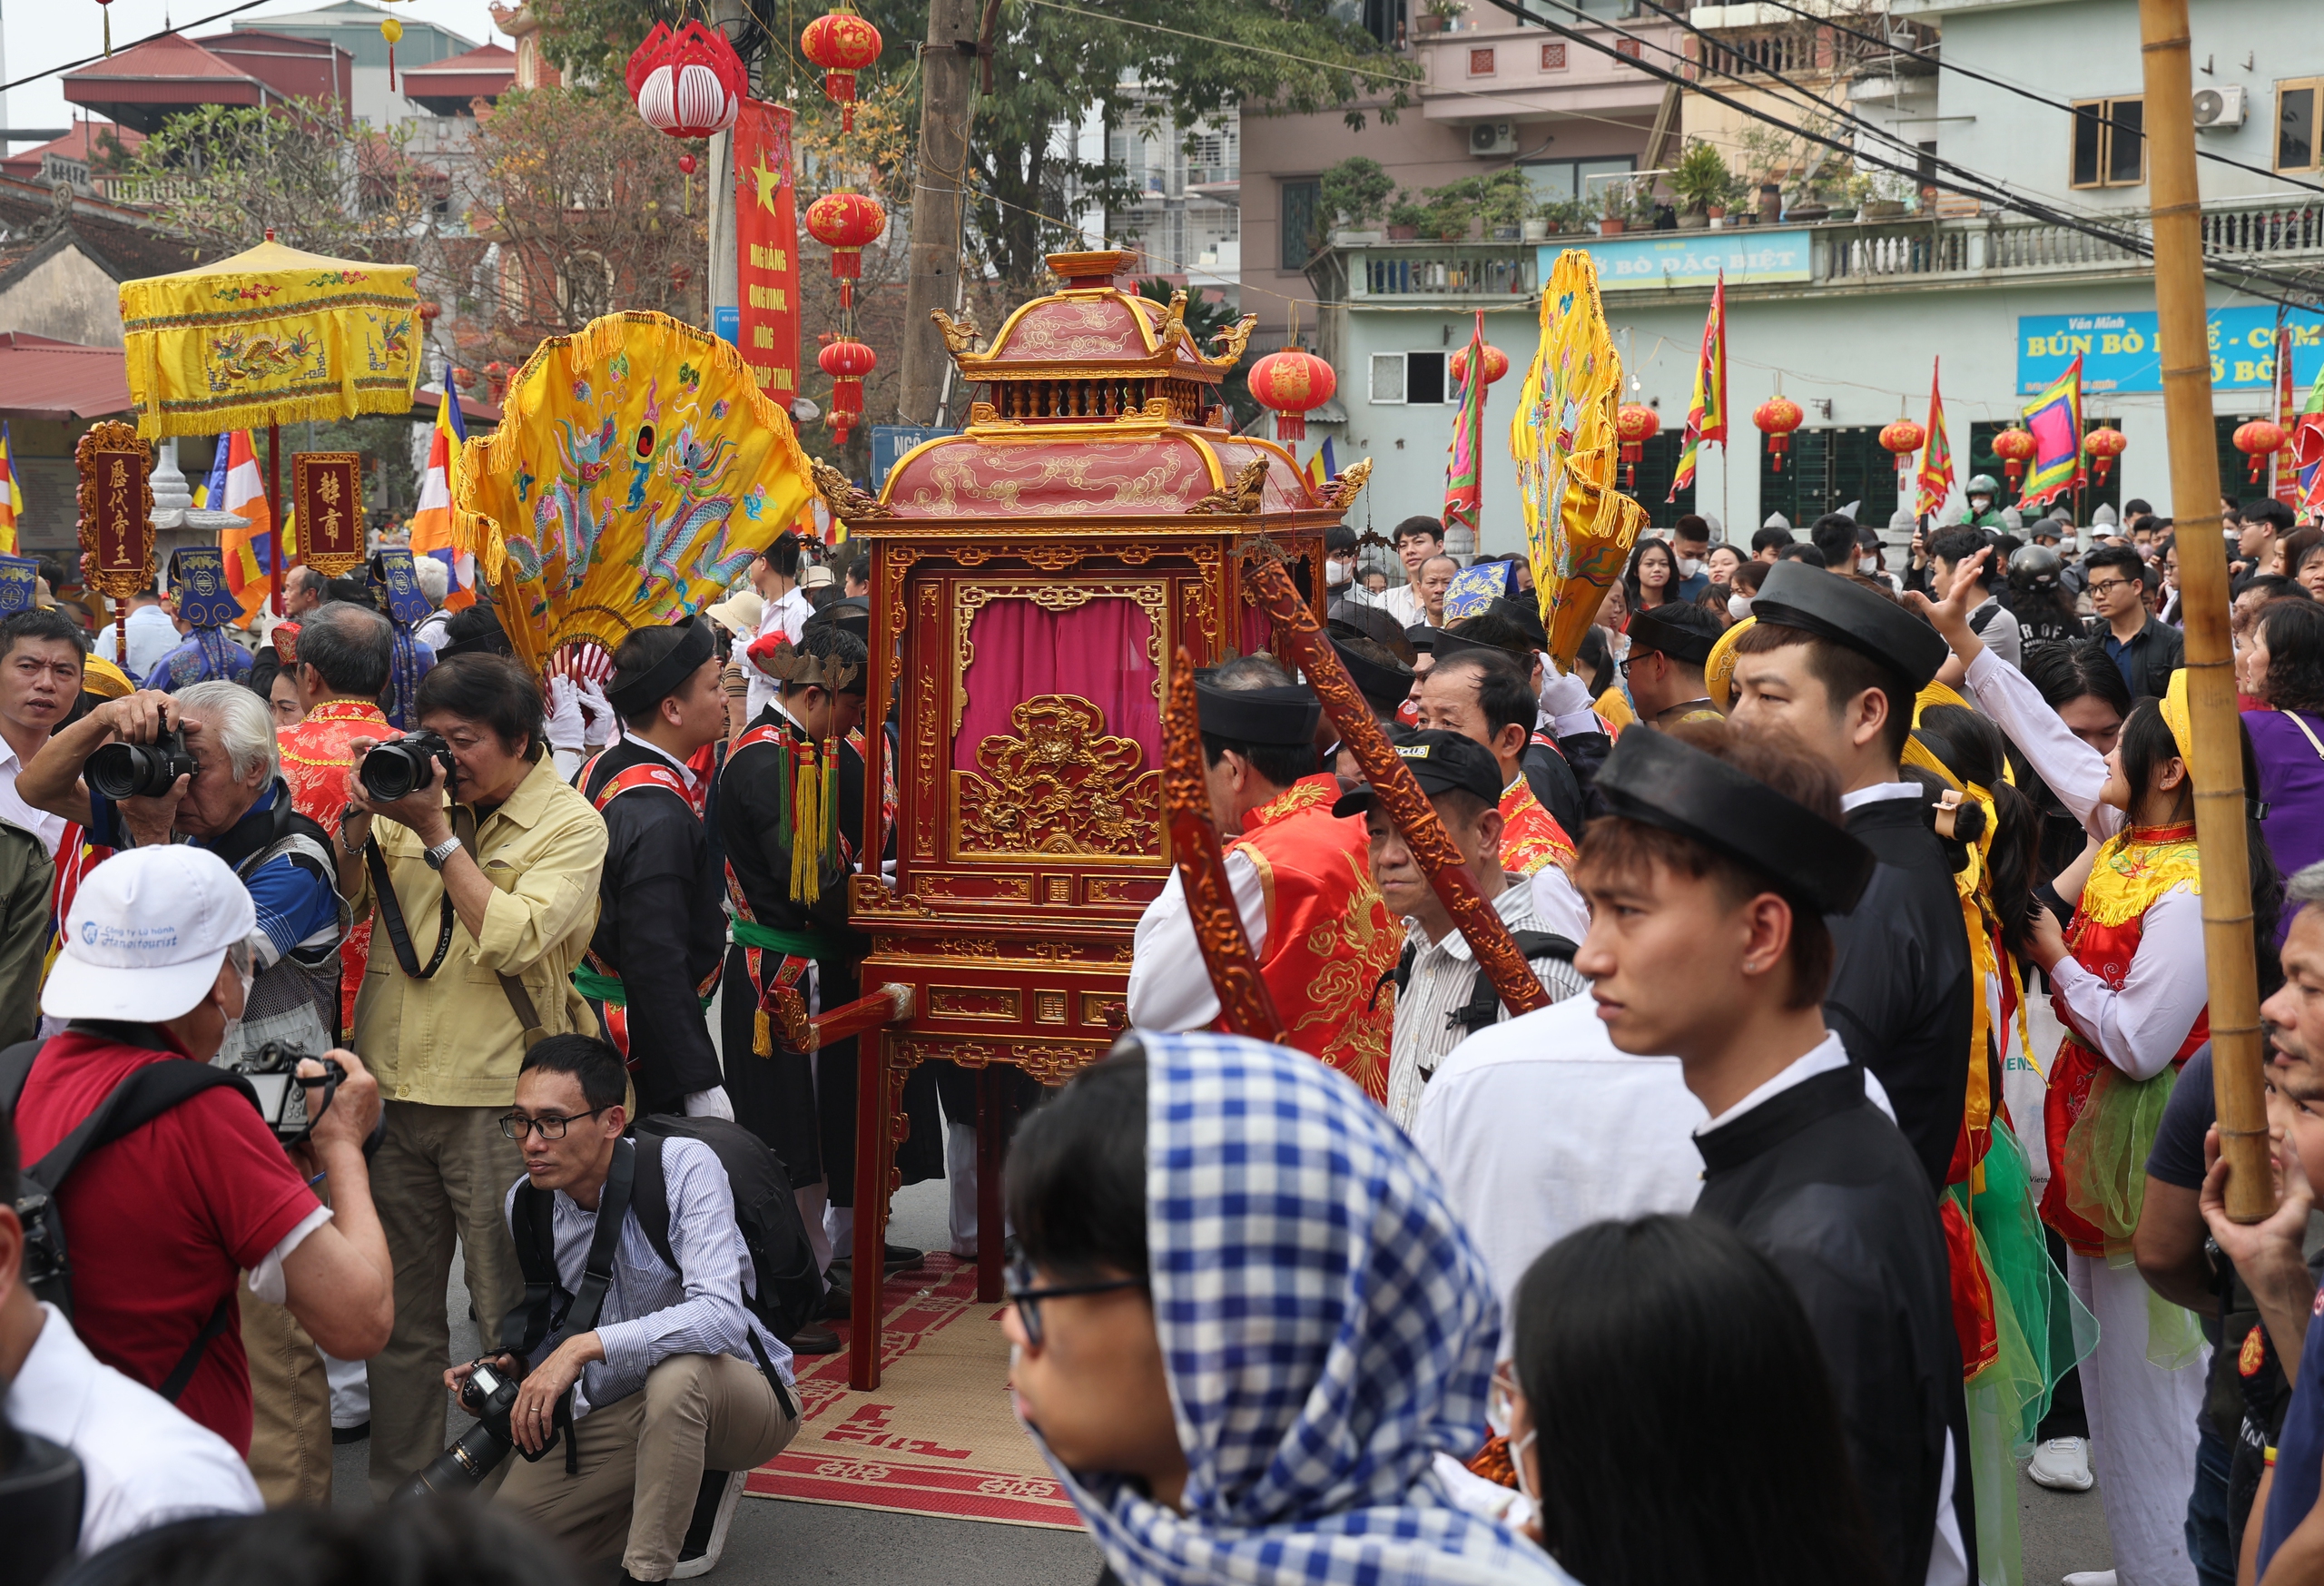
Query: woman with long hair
(2127,977)
(1652,578)
(1633,1340)
(1720,563)
(2284,657)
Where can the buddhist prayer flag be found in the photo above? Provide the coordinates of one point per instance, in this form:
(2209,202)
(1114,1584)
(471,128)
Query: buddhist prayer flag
(1936,455)
(766,242)
(213,489)
(2308,447)
(2283,471)
(249,549)
(2056,420)
(1463,475)
(431,525)
(11,497)
(1321,467)
(1706,414)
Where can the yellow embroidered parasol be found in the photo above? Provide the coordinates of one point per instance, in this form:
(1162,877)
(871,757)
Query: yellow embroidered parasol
(1578,527)
(269,336)
(637,470)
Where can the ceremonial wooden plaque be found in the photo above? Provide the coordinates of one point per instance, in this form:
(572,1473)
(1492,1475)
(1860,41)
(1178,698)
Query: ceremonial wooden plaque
(326,491)
(117,501)
(1033,579)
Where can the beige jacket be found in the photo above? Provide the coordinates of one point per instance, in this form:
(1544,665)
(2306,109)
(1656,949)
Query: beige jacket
(452,1039)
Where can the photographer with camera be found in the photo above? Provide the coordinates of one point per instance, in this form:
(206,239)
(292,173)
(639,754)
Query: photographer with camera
(645,1362)
(149,769)
(483,903)
(186,1185)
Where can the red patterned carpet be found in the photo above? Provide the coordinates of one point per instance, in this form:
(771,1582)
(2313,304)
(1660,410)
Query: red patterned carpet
(938,1438)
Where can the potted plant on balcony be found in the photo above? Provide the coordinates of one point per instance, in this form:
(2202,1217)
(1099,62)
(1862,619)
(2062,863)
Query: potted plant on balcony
(1441,15)
(1561,216)
(1613,207)
(1356,192)
(1887,196)
(1701,180)
(1406,216)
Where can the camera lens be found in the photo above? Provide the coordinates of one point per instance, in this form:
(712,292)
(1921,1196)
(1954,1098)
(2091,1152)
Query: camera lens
(392,771)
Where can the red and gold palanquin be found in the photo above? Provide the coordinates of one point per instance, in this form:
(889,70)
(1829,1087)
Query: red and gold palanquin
(1030,578)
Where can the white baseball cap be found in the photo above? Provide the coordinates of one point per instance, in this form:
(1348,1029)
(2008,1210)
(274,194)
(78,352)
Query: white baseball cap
(145,935)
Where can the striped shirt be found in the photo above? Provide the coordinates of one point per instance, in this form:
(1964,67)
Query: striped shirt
(1444,976)
(651,1313)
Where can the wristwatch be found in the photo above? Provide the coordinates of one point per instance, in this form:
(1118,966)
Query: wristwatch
(440,855)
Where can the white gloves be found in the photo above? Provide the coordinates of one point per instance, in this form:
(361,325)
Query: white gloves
(565,729)
(599,714)
(1565,700)
(710,1103)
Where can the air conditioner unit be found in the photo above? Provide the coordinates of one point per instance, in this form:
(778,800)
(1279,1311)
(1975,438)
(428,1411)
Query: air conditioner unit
(2219,109)
(1487,138)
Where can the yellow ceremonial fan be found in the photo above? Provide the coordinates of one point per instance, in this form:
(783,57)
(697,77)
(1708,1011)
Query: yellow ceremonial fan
(637,470)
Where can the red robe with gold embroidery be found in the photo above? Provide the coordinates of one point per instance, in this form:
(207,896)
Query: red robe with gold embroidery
(1531,837)
(1330,937)
(315,762)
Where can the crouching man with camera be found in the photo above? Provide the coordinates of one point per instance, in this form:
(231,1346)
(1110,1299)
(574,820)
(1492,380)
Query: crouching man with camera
(653,1387)
(480,867)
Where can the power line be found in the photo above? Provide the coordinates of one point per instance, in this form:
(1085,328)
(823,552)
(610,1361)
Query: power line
(2003,84)
(1982,188)
(149,38)
(1232,44)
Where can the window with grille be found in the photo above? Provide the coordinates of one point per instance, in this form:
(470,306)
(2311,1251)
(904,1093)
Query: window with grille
(1300,238)
(1387,377)
(1481,62)
(2297,104)
(1553,56)
(2109,143)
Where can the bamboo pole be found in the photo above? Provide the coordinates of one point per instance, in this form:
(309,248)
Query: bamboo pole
(2216,756)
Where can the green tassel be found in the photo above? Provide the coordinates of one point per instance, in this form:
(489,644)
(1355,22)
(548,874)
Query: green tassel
(782,783)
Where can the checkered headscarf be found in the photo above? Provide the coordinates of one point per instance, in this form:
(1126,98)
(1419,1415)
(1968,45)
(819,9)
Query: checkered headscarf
(1327,1328)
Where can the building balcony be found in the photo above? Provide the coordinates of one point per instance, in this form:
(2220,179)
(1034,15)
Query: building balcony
(1434,271)
(1495,72)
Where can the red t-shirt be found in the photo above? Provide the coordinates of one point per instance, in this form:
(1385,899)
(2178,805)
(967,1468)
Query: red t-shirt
(161,1223)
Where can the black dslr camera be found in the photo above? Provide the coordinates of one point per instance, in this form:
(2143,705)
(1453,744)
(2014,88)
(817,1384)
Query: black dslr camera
(133,771)
(285,1095)
(488,1395)
(399,765)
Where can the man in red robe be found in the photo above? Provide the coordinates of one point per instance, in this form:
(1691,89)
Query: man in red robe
(1302,881)
(341,656)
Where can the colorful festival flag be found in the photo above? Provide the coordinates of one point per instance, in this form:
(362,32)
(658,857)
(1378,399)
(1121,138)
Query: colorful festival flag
(431,523)
(249,548)
(1464,474)
(1936,454)
(1321,467)
(1578,527)
(213,489)
(12,497)
(2055,418)
(1706,414)
(2307,449)
(2283,470)
(766,242)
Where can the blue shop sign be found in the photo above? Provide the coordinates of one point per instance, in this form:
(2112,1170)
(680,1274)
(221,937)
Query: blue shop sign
(890,441)
(2119,352)
(1669,259)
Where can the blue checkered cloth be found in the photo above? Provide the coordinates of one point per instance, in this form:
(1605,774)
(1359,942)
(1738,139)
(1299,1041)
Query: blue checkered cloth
(1327,1328)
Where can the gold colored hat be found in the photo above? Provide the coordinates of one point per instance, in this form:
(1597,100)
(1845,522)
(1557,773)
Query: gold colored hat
(102,678)
(1718,670)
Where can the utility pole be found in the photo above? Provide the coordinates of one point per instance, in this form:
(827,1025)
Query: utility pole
(2215,758)
(947,63)
(722,287)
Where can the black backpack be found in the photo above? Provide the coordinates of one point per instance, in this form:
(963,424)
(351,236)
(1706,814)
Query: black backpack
(142,1096)
(790,1283)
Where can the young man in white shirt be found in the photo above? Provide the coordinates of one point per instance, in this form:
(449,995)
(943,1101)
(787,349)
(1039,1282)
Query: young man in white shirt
(41,663)
(1416,540)
(774,574)
(143,1462)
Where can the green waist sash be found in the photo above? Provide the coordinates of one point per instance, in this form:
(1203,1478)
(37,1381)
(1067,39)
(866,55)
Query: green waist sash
(792,943)
(607,988)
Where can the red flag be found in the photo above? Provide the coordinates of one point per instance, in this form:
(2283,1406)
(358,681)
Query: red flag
(2284,469)
(766,242)
(1936,454)
(1706,413)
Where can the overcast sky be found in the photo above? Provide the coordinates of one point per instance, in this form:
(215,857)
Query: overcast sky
(41,34)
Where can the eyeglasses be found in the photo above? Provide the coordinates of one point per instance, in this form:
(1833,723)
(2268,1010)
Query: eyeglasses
(517,1126)
(2109,585)
(1629,661)
(1017,1278)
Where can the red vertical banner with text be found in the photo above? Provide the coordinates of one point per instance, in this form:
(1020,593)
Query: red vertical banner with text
(766,240)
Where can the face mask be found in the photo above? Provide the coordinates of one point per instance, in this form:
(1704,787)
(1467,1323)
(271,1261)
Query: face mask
(1979,503)
(1690,566)
(1738,606)
(1336,573)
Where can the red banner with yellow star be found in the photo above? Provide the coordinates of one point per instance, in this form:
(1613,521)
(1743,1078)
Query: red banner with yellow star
(766,242)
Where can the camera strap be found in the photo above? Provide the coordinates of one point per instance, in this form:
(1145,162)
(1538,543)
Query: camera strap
(533,1224)
(520,1001)
(391,916)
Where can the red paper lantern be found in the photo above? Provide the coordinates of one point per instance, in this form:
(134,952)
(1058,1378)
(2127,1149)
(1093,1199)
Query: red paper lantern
(846,222)
(1636,424)
(2015,449)
(843,43)
(688,84)
(687,163)
(428,311)
(2259,440)
(1902,437)
(463,377)
(1777,417)
(1290,383)
(1496,364)
(847,361)
(2103,446)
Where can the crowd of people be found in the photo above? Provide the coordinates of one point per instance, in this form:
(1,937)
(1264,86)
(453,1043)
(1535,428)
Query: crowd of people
(1767,1249)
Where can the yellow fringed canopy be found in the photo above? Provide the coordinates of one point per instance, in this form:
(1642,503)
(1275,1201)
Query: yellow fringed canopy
(637,470)
(270,336)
